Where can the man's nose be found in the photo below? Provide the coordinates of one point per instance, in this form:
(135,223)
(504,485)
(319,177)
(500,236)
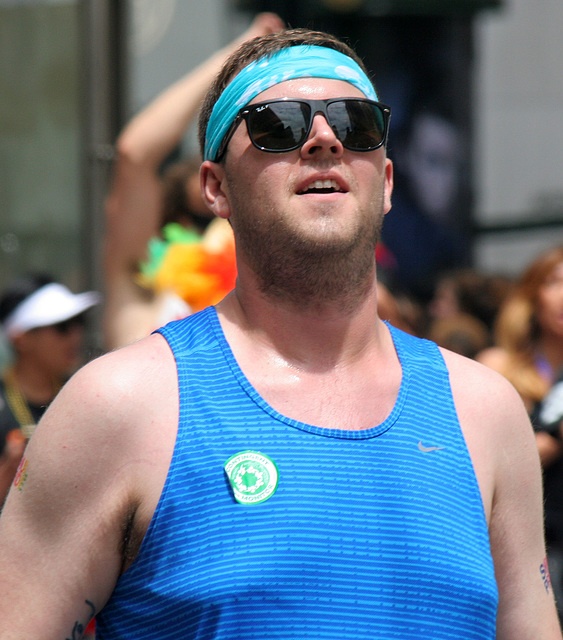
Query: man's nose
(321,138)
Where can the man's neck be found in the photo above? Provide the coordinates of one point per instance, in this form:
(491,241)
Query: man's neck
(305,335)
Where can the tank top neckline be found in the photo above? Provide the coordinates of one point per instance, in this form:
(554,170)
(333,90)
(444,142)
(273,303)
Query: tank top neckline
(348,434)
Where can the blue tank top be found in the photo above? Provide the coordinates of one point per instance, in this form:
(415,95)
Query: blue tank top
(377,534)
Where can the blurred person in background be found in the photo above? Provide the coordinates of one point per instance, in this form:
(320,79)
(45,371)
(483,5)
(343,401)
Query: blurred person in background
(469,291)
(463,310)
(43,324)
(462,333)
(529,330)
(150,283)
(423,233)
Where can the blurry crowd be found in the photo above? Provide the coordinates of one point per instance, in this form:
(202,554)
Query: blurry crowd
(164,259)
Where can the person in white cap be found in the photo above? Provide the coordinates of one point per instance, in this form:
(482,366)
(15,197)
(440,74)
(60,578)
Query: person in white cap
(42,321)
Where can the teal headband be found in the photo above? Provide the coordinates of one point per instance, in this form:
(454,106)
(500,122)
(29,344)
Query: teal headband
(301,61)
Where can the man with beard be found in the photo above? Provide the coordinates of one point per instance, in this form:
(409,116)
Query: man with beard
(284,464)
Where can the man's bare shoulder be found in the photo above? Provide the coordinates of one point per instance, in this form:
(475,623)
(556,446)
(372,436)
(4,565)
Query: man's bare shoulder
(473,381)
(132,376)
(120,407)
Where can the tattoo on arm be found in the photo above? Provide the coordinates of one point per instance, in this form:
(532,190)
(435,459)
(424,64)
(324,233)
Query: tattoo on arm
(21,474)
(544,572)
(79,627)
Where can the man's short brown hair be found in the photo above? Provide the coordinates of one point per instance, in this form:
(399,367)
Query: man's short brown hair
(262,47)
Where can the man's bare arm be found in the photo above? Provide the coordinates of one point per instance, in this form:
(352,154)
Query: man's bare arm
(526,607)
(92,466)
(504,453)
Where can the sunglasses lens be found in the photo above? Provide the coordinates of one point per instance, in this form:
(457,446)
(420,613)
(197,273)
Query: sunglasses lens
(279,126)
(359,125)
(66,326)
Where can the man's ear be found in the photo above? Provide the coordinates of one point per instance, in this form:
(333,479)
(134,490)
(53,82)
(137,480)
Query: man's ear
(21,343)
(387,185)
(213,188)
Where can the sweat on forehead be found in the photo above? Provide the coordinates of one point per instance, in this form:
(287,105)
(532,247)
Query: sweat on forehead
(302,61)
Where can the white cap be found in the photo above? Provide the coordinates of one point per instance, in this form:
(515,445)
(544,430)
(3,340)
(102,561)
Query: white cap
(48,305)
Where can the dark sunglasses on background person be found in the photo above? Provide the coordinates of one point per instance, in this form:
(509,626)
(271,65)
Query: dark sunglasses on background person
(66,326)
(278,126)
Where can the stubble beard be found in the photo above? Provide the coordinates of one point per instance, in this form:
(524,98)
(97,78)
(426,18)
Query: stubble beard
(308,271)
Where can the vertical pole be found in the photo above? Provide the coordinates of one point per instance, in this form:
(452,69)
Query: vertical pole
(102,96)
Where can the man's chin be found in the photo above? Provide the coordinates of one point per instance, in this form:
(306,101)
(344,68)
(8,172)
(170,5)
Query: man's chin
(327,240)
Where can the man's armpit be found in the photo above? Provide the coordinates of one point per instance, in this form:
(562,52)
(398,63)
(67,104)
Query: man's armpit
(132,537)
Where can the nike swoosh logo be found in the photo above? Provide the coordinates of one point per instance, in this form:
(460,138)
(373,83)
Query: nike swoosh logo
(424,449)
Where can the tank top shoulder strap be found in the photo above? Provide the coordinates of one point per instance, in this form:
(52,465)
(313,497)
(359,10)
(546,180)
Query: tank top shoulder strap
(417,352)
(194,331)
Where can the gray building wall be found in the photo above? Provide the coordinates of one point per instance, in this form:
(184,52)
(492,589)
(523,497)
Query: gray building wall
(168,38)
(518,124)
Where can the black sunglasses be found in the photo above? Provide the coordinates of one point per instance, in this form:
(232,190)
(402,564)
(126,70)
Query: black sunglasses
(283,125)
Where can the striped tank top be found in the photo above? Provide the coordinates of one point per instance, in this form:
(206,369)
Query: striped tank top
(270,528)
